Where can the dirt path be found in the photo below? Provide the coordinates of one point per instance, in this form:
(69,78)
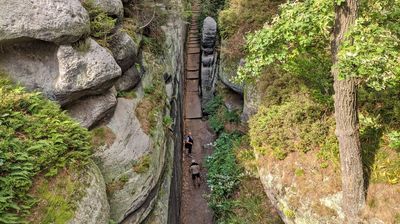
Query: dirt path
(194,208)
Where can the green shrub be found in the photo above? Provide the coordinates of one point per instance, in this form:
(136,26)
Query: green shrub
(101,24)
(297,125)
(35,137)
(219,115)
(213,105)
(394,140)
(223,174)
(167,121)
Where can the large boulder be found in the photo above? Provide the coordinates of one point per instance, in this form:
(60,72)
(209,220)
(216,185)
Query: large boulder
(90,110)
(60,21)
(63,73)
(226,74)
(123,49)
(93,207)
(111,7)
(129,79)
(84,73)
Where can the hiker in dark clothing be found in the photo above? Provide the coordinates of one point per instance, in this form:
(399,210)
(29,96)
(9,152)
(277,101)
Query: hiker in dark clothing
(195,171)
(189,143)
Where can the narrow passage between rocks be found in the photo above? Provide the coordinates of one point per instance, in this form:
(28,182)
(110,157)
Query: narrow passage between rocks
(194,208)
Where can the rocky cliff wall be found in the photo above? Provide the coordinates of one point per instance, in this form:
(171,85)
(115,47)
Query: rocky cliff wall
(55,54)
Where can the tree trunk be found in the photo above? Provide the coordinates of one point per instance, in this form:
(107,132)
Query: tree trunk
(347,129)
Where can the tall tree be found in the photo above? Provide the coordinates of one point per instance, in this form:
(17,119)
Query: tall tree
(347,127)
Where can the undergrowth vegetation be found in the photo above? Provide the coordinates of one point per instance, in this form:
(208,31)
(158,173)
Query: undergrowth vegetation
(36,137)
(232,172)
(236,194)
(219,115)
(101,24)
(150,108)
(286,46)
(223,176)
(239,17)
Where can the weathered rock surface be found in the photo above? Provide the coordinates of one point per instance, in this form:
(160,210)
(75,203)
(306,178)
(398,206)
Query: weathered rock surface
(227,73)
(209,63)
(84,73)
(129,79)
(133,198)
(124,50)
(111,7)
(33,64)
(90,110)
(251,101)
(209,33)
(62,73)
(93,208)
(60,21)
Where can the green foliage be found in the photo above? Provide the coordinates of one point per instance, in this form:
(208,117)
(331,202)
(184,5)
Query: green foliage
(371,49)
(154,45)
(35,137)
(101,24)
(167,121)
(297,125)
(245,15)
(60,195)
(289,213)
(130,26)
(394,140)
(131,94)
(301,30)
(299,172)
(223,174)
(210,8)
(219,114)
(213,105)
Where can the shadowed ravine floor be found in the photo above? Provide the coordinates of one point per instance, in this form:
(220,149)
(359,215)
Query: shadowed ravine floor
(194,208)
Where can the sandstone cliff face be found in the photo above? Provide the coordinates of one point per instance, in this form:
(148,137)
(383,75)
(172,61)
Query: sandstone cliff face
(45,56)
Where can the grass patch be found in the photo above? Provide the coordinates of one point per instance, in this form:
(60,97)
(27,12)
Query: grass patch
(82,45)
(117,184)
(142,165)
(35,137)
(102,136)
(127,94)
(57,198)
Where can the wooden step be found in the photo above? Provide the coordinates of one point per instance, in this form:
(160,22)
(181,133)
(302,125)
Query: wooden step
(192,74)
